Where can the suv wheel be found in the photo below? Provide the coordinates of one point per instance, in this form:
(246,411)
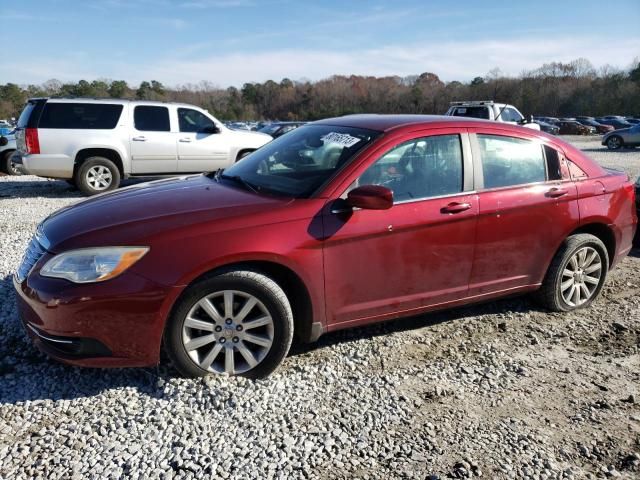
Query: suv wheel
(614,142)
(97,175)
(7,166)
(238,323)
(576,274)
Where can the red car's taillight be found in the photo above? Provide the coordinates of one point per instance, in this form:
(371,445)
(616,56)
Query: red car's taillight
(31,140)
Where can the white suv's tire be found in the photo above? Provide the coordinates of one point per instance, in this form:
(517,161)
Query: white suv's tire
(97,175)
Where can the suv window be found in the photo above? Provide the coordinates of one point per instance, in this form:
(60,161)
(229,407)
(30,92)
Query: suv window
(94,116)
(510,115)
(193,121)
(508,161)
(151,119)
(26,113)
(473,112)
(421,168)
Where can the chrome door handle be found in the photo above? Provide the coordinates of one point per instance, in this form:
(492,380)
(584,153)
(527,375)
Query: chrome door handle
(185,140)
(556,192)
(139,139)
(455,207)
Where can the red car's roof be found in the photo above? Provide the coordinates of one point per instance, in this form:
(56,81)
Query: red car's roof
(385,123)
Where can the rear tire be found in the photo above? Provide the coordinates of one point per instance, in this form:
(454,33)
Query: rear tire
(228,335)
(6,166)
(97,175)
(576,274)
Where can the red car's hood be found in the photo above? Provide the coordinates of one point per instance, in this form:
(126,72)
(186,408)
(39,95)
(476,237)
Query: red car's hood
(133,215)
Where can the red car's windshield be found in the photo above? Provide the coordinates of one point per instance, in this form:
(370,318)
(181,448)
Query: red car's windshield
(298,163)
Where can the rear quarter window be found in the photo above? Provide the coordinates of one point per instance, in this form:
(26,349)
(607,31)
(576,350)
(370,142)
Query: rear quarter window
(80,116)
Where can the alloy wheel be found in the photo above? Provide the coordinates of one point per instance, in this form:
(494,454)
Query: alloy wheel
(613,143)
(581,276)
(228,332)
(99,177)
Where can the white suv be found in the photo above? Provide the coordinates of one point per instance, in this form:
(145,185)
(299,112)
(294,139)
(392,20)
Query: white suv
(96,143)
(490,110)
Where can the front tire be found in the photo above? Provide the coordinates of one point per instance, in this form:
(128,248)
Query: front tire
(243,154)
(238,323)
(614,142)
(97,175)
(576,274)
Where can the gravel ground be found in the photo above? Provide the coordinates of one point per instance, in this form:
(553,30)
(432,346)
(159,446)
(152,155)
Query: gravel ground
(500,390)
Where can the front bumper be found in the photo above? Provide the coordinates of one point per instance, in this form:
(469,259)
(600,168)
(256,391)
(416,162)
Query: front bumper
(118,323)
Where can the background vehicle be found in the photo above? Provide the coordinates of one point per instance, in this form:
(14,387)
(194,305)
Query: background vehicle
(600,127)
(7,154)
(343,222)
(633,121)
(96,143)
(548,128)
(625,137)
(572,127)
(277,129)
(489,110)
(614,122)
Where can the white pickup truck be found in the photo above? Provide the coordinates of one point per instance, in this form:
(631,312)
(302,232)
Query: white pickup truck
(96,143)
(490,110)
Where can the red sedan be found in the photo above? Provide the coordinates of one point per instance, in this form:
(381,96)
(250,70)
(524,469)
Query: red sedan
(342,222)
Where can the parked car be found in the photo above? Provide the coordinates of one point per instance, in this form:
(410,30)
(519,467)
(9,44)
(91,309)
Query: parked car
(615,123)
(8,154)
(548,128)
(625,137)
(549,120)
(96,143)
(278,129)
(342,222)
(490,110)
(600,127)
(572,127)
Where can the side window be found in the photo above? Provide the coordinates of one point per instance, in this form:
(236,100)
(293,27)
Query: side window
(510,115)
(556,164)
(508,161)
(80,116)
(421,168)
(193,121)
(151,119)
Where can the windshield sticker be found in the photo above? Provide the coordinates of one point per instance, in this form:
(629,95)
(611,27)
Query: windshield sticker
(343,139)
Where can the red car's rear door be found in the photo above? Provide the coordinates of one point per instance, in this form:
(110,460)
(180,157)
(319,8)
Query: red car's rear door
(379,263)
(527,207)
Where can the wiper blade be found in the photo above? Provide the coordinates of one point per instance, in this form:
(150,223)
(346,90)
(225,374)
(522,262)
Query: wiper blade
(240,180)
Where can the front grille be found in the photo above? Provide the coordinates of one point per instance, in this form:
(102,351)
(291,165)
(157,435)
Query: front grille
(31,256)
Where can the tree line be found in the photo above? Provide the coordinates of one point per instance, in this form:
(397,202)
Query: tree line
(554,89)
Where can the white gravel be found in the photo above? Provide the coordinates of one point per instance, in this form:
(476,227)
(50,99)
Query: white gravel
(500,390)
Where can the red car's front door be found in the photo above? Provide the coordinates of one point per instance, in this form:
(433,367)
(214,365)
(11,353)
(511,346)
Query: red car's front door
(419,253)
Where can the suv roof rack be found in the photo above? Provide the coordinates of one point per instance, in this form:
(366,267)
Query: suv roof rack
(473,102)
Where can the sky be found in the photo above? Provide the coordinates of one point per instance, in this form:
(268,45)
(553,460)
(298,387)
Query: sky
(232,42)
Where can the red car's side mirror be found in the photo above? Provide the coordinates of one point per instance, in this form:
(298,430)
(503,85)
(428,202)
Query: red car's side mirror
(370,197)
